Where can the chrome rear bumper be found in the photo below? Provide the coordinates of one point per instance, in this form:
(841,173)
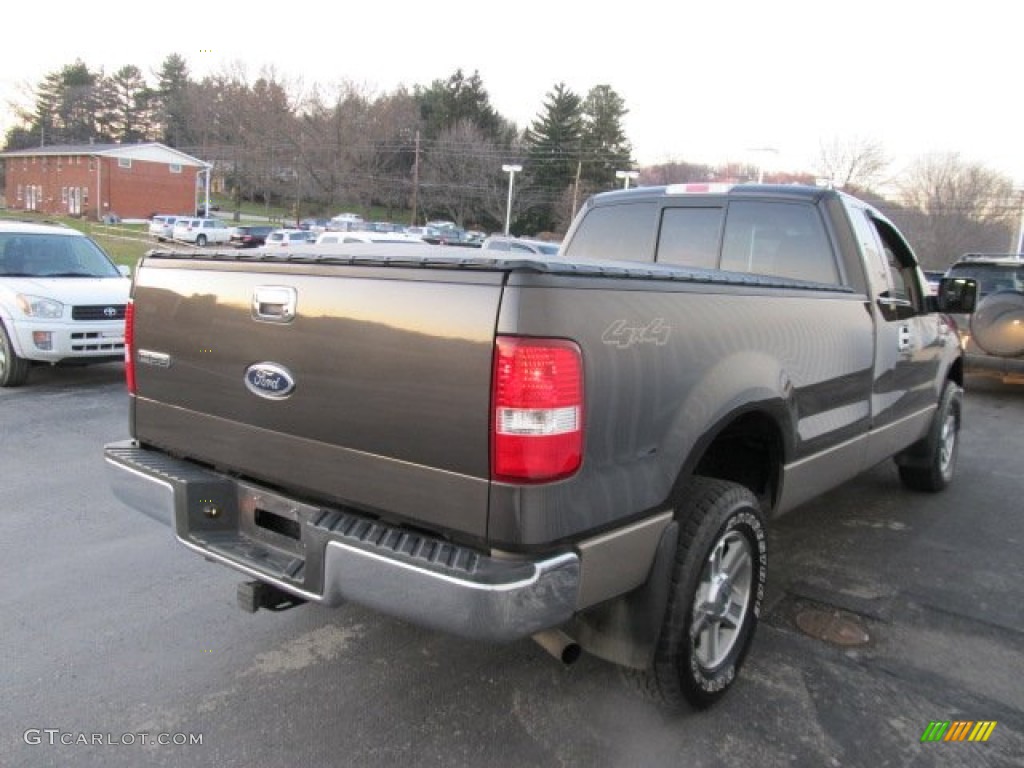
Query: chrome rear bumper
(329,555)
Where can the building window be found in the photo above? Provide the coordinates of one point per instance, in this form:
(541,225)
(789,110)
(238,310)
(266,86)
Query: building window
(64,195)
(20,192)
(85,194)
(124,162)
(78,160)
(175,167)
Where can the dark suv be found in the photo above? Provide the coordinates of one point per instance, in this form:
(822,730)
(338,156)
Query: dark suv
(994,336)
(249,237)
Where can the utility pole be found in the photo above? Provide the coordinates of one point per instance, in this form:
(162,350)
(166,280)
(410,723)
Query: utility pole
(415,179)
(576,188)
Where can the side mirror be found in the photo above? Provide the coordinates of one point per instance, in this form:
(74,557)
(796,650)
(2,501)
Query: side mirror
(125,271)
(957,295)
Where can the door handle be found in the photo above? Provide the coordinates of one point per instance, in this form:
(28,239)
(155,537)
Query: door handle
(274,303)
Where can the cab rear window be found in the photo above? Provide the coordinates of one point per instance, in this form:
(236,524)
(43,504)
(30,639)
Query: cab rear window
(616,233)
(778,239)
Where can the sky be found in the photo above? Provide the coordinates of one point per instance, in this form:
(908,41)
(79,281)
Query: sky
(736,81)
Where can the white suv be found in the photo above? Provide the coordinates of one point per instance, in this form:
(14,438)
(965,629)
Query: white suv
(287,238)
(61,299)
(201,231)
(161,226)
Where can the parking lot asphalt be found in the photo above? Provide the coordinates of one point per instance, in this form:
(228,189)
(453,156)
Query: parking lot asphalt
(111,632)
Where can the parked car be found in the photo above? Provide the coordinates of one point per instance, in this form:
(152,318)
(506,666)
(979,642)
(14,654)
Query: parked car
(367,237)
(315,226)
(520,245)
(249,236)
(287,238)
(451,236)
(61,300)
(161,226)
(993,336)
(346,222)
(423,232)
(201,231)
(442,224)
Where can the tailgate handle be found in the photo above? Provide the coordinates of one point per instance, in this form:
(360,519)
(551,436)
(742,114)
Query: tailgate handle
(274,303)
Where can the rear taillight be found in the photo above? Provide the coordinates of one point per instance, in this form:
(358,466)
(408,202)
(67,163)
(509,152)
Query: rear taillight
(537,427)
(129,346)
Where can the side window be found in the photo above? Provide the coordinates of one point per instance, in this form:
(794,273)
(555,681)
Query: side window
(689,237)
(905,293)
(891,266)
(778,239)
(616,233)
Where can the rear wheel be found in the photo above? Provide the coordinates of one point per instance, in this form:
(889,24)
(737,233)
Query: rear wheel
(715,599)
(941,445)
(201,240)
(13,369)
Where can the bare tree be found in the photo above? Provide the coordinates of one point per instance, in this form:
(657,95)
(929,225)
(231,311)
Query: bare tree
(334,128)
(461,171)
(952,207)
(856,163)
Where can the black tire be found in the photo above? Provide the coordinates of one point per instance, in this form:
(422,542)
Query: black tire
(201,240)
(13,369)
(933,472)
(718,583)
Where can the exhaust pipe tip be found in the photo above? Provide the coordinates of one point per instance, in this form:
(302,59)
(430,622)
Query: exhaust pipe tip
(559,645)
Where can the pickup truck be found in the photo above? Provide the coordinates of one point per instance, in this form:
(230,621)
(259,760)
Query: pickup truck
(585,449)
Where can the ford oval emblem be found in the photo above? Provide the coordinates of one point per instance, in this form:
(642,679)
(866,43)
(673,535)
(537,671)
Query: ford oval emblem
(269,380)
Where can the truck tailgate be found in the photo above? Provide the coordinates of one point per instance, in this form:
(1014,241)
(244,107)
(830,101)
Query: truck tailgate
(358,384)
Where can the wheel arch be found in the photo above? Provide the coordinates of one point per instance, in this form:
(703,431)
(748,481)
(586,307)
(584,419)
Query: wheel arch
(738,424)
(747,446)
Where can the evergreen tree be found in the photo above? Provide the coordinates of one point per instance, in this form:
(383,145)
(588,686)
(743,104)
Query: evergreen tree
(606,148)
(68,109)
(128,117)
(450,103)
(44,120)
(554,142)
(21,137)
(171,102)
(80,105)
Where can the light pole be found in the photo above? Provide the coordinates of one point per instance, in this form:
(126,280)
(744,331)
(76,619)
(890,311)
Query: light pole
(760,164)
(511,170)
(626,176)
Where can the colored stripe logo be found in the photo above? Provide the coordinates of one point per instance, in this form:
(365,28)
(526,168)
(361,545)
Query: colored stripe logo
(958,730)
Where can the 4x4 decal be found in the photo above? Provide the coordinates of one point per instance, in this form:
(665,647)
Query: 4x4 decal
(623,335)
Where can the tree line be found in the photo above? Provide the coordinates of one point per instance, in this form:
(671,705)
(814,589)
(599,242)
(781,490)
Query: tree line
(437,150)
(432,151)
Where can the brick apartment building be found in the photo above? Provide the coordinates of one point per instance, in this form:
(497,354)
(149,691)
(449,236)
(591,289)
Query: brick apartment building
(94,180)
